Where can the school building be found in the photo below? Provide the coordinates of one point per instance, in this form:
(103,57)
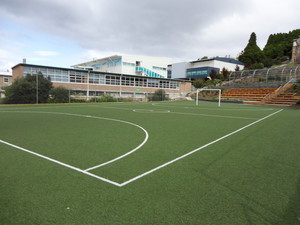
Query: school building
(202,68)
(84,82)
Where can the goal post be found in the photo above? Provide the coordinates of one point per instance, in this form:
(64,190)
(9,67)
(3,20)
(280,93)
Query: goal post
(204,89)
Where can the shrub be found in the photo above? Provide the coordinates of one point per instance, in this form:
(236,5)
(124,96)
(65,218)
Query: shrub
(59,95)
(199,83)
(106,98)
(159,95)
(78,100)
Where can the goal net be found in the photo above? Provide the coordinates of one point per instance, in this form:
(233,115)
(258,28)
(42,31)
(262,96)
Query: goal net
(204,89)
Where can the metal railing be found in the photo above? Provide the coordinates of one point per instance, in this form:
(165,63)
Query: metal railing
(274,77)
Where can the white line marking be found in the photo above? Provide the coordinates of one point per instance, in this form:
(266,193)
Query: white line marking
(150,111)
(218,109)
(148,172)
(195,150)
(61,163)
(103,118)
(168,111)
(218,116)
(126,154)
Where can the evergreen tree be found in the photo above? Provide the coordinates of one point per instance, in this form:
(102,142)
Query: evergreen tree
(252,55)
(279,46)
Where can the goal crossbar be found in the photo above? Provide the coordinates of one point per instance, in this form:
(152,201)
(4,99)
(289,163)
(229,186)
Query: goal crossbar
(204,89)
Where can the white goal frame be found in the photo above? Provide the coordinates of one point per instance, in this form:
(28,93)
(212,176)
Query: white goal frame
(204,89)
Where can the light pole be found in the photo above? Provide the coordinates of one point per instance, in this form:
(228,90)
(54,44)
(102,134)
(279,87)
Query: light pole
(120,86)
(37,88)
(88,85)
(69,86)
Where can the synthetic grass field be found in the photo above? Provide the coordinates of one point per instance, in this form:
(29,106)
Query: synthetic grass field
(149,163)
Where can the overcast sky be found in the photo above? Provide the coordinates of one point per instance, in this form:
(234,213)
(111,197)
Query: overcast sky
(63,32)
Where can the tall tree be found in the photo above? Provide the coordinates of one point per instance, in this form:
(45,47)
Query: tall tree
(279,46)
(252,55)
(27,90)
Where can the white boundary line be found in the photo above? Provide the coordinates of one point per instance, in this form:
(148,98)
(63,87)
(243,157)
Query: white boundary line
(102,118)
(61,163)
(150,111)
(182,113)
(217,116)
(195,150)
(148,172)
(186,106)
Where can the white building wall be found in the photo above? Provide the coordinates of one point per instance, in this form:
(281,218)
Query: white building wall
(202,64)
(228,66)
(128,64)
(147,62)
(179,70)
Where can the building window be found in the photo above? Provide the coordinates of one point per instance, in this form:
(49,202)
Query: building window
(128,64)
(153,83)
(159,68)
(76,79)
(128,81)
(169,74)
(5,79)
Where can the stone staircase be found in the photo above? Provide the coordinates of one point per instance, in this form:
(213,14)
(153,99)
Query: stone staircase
(283,99)
(264,96)
(282,96)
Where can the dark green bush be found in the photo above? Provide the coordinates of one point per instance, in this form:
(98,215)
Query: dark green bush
(59,95)
(159,95)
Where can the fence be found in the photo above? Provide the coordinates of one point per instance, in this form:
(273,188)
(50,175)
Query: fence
(270,77)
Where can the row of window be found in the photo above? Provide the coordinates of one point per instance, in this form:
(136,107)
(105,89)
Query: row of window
(109,63)
(159,68)
(197,72)
(140,82)
(128,64)
(93,78)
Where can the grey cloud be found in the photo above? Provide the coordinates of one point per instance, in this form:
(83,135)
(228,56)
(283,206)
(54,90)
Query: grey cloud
(149,27)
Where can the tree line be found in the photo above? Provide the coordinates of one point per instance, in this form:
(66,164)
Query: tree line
(277,50)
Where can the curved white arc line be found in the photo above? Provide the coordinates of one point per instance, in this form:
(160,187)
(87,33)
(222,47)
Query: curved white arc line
(96,117)
(126,154)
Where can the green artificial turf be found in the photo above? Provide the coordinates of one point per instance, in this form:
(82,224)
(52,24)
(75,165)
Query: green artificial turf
(251,177)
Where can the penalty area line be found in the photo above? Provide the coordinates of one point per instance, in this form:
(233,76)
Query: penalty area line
(195,150)
(61,163)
